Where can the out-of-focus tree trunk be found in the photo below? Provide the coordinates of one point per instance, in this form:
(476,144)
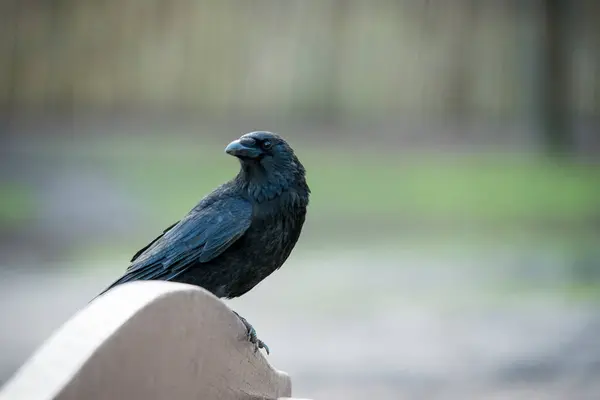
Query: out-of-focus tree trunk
(10,55)
(10,13)
(329,106)
(460,71)
(593,8)
(555,82)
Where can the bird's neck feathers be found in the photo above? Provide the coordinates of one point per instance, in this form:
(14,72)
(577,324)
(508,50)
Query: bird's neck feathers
(266,182)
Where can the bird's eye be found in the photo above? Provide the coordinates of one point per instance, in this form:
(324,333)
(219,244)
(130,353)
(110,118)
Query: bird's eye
(267,144)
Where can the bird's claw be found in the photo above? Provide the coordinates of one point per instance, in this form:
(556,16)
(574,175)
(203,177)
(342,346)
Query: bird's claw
(252,337)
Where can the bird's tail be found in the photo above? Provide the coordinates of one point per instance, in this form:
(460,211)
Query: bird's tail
(124,279)
(156,272)
(115,283)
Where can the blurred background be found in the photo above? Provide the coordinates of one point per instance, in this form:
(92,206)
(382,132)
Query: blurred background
(452,245)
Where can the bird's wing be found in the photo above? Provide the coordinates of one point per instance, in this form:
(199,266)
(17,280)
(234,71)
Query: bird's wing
(202,235)
(136,255)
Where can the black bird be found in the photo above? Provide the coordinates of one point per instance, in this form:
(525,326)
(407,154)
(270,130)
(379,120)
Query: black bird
(240,233)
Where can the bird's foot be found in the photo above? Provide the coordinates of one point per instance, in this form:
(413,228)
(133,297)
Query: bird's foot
(251,335)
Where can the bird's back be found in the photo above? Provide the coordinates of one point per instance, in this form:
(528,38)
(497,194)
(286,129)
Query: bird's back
(274,228)
(264,247)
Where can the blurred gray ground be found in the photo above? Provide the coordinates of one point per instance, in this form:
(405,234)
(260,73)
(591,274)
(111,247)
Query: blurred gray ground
(338,342)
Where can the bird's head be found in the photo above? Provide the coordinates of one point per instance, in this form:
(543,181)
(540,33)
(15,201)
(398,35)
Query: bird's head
(266,159)
(263,150)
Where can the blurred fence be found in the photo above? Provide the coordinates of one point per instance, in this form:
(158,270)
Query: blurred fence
(329,58)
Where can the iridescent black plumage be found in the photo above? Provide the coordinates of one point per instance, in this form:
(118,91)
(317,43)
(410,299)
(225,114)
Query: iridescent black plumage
(238,234)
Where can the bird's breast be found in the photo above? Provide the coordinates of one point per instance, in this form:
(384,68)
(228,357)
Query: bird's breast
(275,234)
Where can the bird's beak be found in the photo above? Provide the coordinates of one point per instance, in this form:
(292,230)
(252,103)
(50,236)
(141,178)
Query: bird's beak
(239,149)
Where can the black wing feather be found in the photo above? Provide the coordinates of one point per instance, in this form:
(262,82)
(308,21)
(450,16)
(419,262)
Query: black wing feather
(202,235)
(136,255)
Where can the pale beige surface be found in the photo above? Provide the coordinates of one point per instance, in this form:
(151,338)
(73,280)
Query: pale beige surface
(150,340)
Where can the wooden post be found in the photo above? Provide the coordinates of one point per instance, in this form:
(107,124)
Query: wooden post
(149,340)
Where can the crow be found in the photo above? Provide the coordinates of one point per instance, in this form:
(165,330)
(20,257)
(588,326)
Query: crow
(240,233)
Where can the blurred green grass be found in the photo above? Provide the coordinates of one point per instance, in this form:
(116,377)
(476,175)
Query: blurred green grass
(487,188)
(353,185)
(170,175)
(17,203)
